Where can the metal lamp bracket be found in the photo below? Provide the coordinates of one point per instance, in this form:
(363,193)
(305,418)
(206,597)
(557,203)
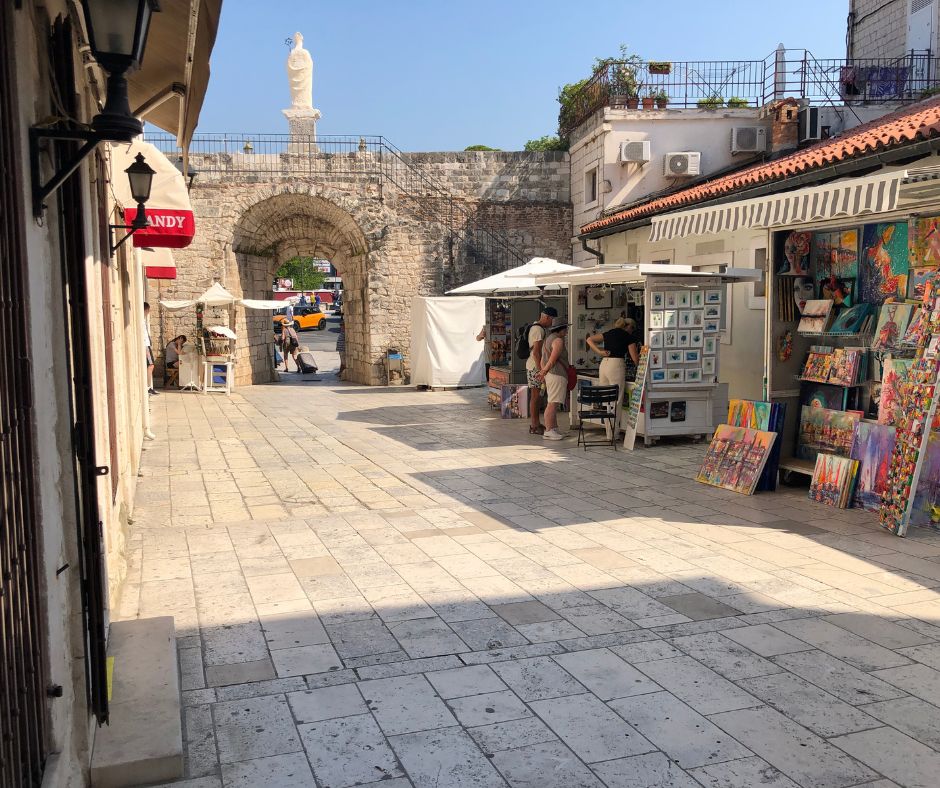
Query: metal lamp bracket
(40,190)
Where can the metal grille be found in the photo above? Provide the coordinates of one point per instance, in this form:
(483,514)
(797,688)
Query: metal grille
(22,696)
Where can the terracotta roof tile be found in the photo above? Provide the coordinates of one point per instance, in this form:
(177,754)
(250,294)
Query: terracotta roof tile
(911,124)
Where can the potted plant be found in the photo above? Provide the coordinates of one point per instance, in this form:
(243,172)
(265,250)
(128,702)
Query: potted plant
(662,99)
(736,102)
(649,100)
(712,102)
(659,67)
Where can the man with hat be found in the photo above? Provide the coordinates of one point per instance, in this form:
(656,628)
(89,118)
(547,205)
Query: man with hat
(554,371)
(533,364)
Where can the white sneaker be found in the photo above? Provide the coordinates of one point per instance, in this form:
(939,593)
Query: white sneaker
(552,435)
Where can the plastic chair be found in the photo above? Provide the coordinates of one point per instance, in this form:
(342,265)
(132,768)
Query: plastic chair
(593,403)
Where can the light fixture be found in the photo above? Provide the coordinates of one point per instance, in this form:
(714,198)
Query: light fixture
(247,147)
(117,35)
(190,173)
(140,175)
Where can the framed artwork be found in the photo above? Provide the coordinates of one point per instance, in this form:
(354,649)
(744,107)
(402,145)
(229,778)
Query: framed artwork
(833,480)
(698,299)
(713,311)
(673,357)
(684,338)
(822,395)
(656,319)
(710,346)
(693,376)
(674,376)
(514,401)
(885,270)
(924,241)
(918,279)
(658,299)
(736,458)
(692,356)
(713,296)
(708,366)
(658,375)
(698,319)
(825,430)
(684,299)
(892,324)
(671,318)
(677,410)
(796,248)
(872,446)
(670,339)
(696,338)
(656,359)
(600,297)
(685,318)
(659,410)
(672,299)
(656,339)
(711,327)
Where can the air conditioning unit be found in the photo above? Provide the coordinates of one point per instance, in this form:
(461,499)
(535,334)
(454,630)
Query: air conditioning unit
(681,165)
(748,139)
(809,124)
(635,152)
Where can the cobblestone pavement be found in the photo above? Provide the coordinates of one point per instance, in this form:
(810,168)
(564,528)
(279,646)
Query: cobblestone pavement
(396,587)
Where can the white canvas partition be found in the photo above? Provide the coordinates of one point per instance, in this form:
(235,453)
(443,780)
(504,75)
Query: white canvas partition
(444,347)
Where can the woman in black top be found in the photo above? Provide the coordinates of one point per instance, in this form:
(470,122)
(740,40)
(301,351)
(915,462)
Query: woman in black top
(619,342)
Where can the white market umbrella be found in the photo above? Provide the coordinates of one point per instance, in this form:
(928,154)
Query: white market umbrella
(519,279)
(219,296)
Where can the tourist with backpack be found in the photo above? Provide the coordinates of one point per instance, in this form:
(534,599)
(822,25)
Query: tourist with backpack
(529,346)
(554,371)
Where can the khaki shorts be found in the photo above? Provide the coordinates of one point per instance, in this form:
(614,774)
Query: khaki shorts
(557,386)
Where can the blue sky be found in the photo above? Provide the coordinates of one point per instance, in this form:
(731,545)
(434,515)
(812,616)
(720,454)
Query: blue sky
(443,75)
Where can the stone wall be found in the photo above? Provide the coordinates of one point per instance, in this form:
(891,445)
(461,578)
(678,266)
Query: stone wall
(878,29)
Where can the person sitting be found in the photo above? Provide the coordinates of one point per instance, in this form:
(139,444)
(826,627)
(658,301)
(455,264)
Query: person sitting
(172,351)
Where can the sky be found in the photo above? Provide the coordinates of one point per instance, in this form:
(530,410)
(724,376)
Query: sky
(437,75)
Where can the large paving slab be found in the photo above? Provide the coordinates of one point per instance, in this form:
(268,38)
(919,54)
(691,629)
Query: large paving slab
(391,587)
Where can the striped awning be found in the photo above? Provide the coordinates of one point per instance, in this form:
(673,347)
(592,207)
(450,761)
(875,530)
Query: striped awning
(855,197)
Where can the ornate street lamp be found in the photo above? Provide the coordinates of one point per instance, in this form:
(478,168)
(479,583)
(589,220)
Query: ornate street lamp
(189,175)
(140,175)
(117,35)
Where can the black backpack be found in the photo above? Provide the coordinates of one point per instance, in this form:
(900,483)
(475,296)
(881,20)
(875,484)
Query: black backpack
(523,350)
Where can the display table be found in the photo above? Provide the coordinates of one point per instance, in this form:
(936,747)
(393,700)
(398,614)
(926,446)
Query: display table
(217,376)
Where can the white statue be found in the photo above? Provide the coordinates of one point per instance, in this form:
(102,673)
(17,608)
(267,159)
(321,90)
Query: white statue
(300,75)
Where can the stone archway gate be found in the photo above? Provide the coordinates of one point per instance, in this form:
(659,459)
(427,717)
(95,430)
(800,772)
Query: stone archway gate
(395,225)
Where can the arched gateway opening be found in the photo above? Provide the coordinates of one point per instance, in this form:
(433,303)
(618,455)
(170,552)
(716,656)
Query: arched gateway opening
(283,225)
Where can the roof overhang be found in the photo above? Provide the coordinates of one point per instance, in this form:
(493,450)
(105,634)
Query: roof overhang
(639,272)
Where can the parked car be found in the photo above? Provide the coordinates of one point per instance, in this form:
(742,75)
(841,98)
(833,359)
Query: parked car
(305,318)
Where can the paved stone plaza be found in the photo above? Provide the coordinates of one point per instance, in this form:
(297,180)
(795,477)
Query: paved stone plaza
(397,587)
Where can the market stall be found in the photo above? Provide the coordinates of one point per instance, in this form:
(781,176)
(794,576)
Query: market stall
(679,311)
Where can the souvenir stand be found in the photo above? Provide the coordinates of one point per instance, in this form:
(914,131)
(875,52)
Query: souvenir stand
(851,348)
(678,311)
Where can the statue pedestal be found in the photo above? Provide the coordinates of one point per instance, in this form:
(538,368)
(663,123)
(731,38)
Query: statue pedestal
(302,127)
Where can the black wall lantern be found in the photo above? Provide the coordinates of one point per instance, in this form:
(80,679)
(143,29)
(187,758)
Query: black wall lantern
(140,174)
(117,35)
(189,175)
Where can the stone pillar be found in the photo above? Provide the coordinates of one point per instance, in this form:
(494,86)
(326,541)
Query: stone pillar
(302,127)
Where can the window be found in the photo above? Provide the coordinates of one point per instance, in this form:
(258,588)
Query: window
(590,186)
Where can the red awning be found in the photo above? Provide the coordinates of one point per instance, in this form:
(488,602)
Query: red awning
(158,263)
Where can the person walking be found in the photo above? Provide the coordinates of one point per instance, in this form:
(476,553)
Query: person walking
(148,351)
(533,364)
(341,349)
(291,344)
(316,300)
(554,371)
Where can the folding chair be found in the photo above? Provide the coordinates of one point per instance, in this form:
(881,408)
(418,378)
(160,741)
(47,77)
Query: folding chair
(593,403)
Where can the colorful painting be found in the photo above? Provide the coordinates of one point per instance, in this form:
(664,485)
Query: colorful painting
(514,402)
(885,268)
(736,458)
(636,399)
(821,395)
(872,446)
(850,320)
(894,372)
(926,508)
(833,480)
(836,254)
(825,430)
(892,324)
(749,413)
(839,291)
(815,317)
(796,248)
(917,281)
(924,241)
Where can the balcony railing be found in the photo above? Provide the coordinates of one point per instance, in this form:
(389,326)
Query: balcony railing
(712,84)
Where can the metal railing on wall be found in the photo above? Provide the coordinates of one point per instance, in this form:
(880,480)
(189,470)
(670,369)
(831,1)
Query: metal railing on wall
(240,158)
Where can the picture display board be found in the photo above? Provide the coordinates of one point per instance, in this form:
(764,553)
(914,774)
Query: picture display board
(636,400)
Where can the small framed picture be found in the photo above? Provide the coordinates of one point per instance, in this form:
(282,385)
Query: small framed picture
(684,339)
(671,318)
(658,375)
(693,375)
(696,338)
(711,343)
(674,376)
(656,359)
(698,319)
(711,327)
(708,366)
(685,318)
(672,299)
(670,339)
(692,356)
(656,339)
(658,299)
(698,299)
(599,297)
(673,357)
(713,310)
(684,298)
(713,296)
(656,319)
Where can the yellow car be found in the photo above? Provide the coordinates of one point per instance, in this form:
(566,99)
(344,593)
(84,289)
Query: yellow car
(305,318)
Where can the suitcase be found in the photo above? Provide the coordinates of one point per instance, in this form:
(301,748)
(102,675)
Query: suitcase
(307,363)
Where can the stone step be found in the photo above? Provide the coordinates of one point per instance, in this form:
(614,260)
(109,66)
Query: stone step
(144,741)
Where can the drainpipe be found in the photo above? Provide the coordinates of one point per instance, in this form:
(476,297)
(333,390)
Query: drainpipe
(596,252)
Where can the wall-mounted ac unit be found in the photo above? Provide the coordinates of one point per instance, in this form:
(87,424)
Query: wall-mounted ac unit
(637,152)
(748,139)
(809,124)
(681,165)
